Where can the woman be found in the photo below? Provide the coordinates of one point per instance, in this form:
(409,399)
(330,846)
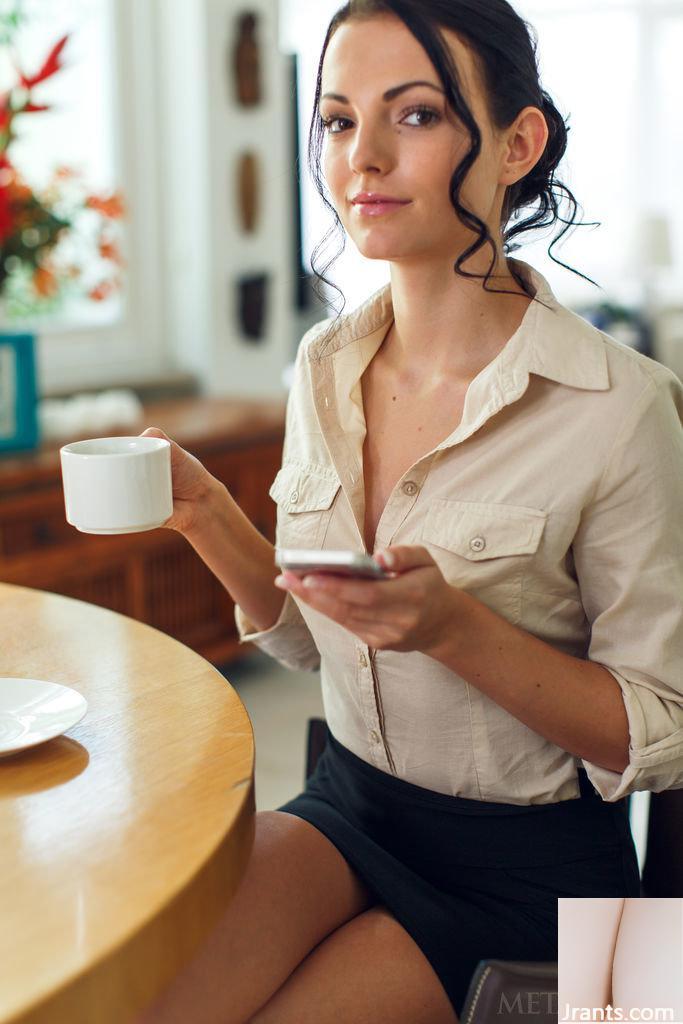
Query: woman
(493,702)
(623,954)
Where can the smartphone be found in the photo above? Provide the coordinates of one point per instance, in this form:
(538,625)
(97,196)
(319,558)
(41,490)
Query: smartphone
(336,563)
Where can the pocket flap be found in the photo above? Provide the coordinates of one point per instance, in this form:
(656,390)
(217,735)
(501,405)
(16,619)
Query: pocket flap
(297,489)
(479,530)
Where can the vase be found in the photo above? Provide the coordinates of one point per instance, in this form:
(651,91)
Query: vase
(246,61)
(248,191)
(253,298)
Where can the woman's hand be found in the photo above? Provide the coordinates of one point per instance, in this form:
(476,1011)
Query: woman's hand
(192,483)
(415,610)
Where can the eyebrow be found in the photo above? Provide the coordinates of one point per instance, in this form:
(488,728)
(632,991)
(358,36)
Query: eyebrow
(390,94)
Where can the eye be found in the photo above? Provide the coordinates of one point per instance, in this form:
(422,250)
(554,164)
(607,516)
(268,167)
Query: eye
(434,117)
(327,123)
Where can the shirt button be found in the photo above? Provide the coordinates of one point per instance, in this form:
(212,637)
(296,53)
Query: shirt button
(477,544)
(294,496)
(362,659)
(409,487)
(374,736)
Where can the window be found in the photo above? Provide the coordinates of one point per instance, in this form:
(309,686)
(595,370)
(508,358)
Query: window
(103,122)
(626,137)
(77,132)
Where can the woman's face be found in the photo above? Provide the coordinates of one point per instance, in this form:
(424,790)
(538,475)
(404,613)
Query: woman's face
(373,145)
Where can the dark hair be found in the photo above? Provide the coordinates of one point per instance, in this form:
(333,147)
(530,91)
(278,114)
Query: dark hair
(506,56)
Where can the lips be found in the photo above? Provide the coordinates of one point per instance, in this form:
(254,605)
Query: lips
(367,198)
(376,209)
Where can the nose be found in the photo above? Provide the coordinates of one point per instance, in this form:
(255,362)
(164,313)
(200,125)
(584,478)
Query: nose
(368,152)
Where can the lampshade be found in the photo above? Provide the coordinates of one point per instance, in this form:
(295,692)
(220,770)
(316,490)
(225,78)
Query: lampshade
(654,240)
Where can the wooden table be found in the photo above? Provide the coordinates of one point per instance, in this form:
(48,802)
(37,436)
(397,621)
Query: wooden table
(122,841)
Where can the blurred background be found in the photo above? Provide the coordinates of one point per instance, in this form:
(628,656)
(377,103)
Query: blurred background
(157,222)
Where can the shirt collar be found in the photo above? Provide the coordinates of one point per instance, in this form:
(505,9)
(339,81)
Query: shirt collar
(552,341)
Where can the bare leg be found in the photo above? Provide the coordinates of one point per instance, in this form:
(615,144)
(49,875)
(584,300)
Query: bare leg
(297,889)
(368,971)
(648,958)
(587,932)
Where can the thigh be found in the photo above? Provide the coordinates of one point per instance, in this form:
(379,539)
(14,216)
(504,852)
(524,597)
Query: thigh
(368,970)
(297,889)
(587,932)
(648,958)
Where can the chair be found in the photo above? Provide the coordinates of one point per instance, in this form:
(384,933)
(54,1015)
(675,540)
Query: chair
(520,990)
(662,873)
(515,988)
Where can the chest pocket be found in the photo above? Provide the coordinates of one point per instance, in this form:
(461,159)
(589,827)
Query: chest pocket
(485,548)
(304,501)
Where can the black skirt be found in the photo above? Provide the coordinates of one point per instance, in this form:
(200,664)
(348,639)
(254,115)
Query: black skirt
(468,879)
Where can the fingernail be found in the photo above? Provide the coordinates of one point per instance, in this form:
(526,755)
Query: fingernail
(388,558)
(311,581)
(280,581)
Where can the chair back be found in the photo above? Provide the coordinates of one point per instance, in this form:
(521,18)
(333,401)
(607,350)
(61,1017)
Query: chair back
(514,991)
(315,744)
(662,873)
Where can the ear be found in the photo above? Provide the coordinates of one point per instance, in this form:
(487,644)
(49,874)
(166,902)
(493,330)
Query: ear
(524,145)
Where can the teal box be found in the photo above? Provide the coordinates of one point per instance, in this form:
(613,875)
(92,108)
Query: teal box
(19,429)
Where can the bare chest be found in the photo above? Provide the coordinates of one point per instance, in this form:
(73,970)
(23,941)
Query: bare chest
(401,428)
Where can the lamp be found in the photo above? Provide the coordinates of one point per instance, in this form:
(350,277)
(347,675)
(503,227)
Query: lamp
(654,254)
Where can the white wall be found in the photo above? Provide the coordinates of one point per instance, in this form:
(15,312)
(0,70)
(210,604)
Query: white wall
(204,132)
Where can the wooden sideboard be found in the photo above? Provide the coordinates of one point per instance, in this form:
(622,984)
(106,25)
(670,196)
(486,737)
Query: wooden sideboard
(154,576)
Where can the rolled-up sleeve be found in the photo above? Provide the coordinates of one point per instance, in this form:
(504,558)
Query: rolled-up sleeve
(628,554)
(288,640)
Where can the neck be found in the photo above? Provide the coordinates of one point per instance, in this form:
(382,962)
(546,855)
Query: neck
(449,327)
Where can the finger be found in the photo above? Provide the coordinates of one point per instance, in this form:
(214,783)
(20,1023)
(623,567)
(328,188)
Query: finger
(366,625)
(317,598)
(357,593)
(155,432)
(328,606)
(401,557)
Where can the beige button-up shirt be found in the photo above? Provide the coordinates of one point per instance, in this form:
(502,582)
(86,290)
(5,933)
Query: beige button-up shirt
(557,502)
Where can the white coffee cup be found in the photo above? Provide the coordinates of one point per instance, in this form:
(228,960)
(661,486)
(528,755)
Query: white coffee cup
(117,484)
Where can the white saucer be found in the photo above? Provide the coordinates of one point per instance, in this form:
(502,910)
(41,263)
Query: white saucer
(32,711)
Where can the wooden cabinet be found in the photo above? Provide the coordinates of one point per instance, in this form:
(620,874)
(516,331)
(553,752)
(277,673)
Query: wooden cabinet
(155,576)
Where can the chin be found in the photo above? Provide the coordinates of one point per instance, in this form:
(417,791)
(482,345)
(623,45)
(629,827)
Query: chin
(377,253)
(378,245)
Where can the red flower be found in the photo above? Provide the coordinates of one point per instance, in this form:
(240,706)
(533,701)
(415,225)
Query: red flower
(64,173)
(44,282)
(6,219)
(109,206)
(109,250)
(101,291)
(11,197)
(50,66)
(20,191)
